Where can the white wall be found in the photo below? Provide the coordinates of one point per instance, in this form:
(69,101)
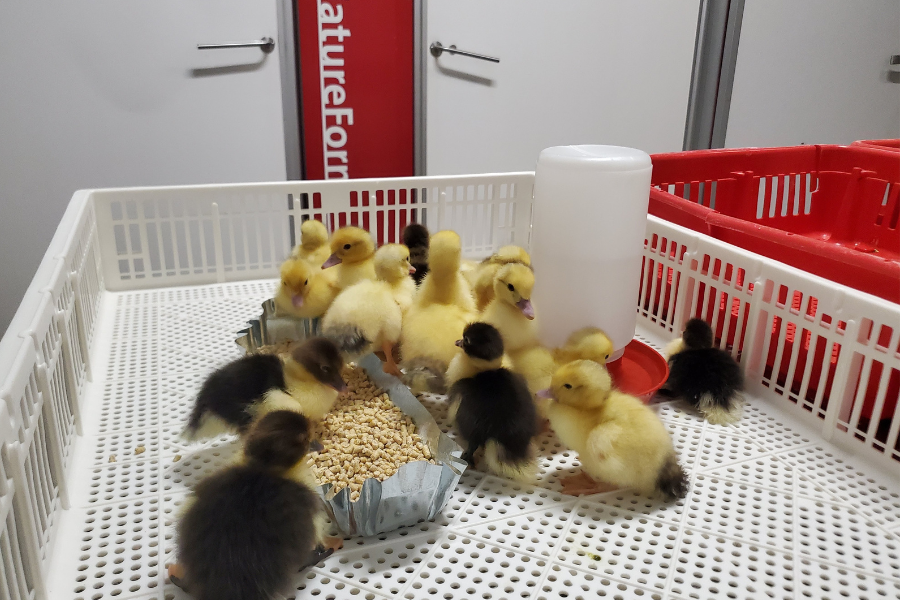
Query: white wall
(815,72)
(102,93)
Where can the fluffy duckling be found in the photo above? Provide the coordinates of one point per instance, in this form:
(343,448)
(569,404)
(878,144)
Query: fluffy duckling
(482,277)
(537,364)
(492,406)
(353,256)
(588,343)
(467,364)
(707,378)
(441,309)
(444,284)
(370,313)
(415,237)
(226,394)
(511,311)
(619,440)
(251,526)
(309,381)
(313,246)
(304,291)
(312,375)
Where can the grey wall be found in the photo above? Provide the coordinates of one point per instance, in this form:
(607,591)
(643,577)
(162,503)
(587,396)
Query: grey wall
(109,93)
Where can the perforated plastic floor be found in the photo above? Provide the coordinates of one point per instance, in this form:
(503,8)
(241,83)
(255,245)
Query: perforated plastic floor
(773,511)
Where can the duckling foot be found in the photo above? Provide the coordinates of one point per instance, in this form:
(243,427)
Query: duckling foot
(390,366)
(583,485)
(176,575)
(333,543)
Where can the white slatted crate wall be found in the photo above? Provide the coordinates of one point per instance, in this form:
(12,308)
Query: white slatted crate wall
(208,234)
(808,345)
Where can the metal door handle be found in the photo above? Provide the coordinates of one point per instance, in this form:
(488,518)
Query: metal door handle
(265,44)
(895,59)
(437,49)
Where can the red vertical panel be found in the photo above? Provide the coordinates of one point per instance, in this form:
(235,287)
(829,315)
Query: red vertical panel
(356,68)
(310,93)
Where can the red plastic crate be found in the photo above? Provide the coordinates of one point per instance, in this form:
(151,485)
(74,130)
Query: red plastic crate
(829,210)
(882,144)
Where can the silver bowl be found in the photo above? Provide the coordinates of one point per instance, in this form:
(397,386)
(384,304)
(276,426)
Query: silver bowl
(419,490)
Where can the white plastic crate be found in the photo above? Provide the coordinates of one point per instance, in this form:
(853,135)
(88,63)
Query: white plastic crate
(105,354)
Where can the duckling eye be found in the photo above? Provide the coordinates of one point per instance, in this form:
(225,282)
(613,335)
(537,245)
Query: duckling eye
(346,246)
(568,386)
(605,356)
(465,340)
(511,287)
(306,282)
(325,368)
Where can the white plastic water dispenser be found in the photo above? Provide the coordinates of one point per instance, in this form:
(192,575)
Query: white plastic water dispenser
(587,240)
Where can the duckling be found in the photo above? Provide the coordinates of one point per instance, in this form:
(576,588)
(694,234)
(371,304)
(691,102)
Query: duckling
(370,313)
(619,440)
(304,291)
(482,277)
(249,528)
(309,381)
(588,343)
(511,310)
(444,284)
(492,406)
(313,246)
(313,379)
(537,364)
(441,309)
(415,237)
(221,404)
(706,377)
(466,364)
(353,253)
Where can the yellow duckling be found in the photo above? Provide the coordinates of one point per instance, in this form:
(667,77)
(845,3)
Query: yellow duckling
(352,255)
(304,291)
(370,313)
(313,246)
(620,441)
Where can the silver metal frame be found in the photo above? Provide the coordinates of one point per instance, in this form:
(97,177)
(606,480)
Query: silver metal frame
(712,78)
(726,75)
(266,44)
(290,105)
(420,31)
(437,48)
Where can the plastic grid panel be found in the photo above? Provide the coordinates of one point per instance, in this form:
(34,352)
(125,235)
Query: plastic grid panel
(744,531)
(171,236)
(16,582)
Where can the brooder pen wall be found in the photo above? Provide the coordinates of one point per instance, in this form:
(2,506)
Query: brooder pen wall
(825,353)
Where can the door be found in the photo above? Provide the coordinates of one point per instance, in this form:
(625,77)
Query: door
(576,72)
(112,93)
(815,72)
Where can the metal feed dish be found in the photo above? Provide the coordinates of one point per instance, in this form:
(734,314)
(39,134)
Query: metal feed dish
(419,490)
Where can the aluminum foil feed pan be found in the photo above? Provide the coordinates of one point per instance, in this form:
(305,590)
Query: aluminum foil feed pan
(419,490)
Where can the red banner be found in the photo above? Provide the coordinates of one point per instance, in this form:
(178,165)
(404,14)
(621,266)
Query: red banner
(356,72)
